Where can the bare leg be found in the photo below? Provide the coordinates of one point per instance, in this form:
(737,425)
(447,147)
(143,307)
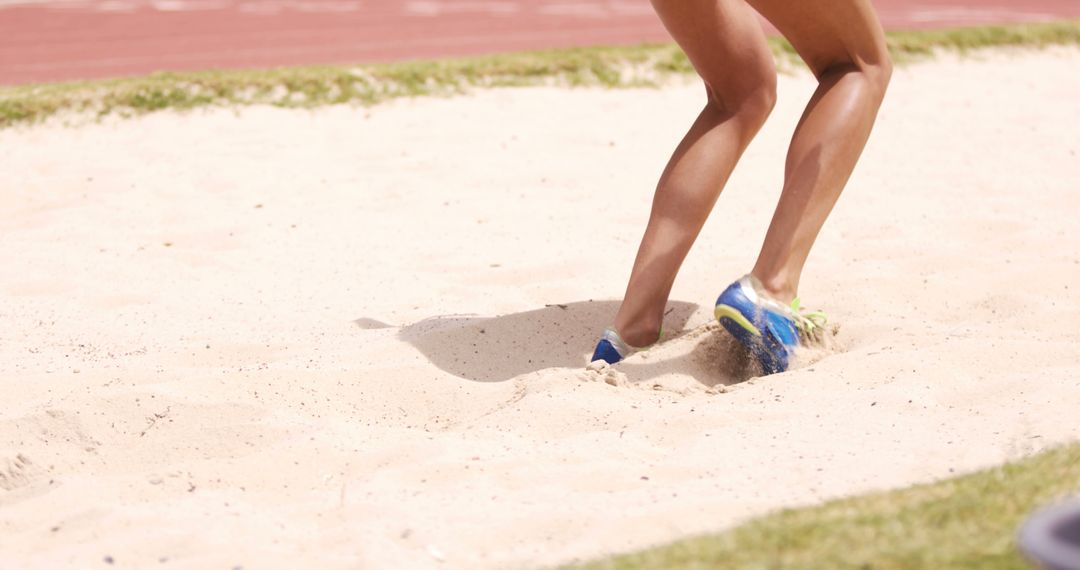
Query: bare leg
(727,47)
(842,42)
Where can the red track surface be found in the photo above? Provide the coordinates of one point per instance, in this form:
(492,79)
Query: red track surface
(43,40)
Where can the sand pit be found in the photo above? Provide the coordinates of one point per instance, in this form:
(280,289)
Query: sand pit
(354,338)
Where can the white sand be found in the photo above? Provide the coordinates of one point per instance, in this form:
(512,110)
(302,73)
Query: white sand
(332,339)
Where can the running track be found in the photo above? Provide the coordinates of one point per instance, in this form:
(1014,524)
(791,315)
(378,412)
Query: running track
(56,40)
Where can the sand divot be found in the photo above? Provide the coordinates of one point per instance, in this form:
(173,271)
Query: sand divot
(600,371)
(703,359)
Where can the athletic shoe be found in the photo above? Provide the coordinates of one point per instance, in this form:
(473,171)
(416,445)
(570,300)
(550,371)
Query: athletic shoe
(767,328)
(611,348)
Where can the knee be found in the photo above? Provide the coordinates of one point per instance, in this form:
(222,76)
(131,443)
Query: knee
(759,103)
(752,100)
(875,72)
(879,73)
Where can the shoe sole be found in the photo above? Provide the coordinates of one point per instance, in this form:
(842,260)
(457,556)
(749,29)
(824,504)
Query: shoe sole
(748,335)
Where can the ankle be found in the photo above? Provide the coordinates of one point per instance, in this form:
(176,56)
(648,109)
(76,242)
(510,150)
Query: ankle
(778,287)
(638,335)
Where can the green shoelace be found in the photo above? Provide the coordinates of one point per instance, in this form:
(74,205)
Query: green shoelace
(809,323)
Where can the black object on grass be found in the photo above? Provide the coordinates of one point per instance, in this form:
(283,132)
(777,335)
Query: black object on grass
(1050,538)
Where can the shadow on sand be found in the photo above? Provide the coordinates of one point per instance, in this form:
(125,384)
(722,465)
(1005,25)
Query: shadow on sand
(495,349)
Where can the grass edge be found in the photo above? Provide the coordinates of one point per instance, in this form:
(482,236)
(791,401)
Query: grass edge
(644,65)
(979,511)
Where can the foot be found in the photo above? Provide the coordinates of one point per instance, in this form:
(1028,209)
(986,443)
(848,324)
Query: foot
(611,348)
(770,330)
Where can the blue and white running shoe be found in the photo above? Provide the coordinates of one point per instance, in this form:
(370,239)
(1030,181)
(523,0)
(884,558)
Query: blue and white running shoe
(611,348)
(768,329)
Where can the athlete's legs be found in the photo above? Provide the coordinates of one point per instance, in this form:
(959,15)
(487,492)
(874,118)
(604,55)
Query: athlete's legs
(727,47)
(842,42)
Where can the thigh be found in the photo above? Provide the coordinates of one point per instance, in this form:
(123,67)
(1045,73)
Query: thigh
(725,44)
(829,33)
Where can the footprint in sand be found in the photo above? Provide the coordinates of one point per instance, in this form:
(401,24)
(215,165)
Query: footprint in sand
(17,472)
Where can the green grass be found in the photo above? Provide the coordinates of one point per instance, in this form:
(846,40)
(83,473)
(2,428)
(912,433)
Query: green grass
(311,86)
(965,523)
